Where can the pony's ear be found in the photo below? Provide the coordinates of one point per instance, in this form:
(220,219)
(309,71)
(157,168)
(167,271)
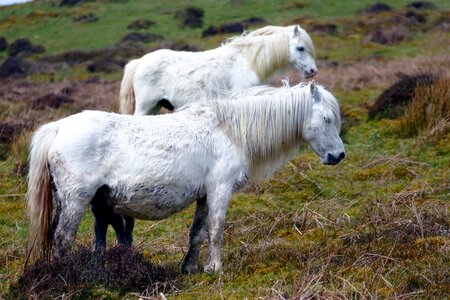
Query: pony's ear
(296,30)
(315,92)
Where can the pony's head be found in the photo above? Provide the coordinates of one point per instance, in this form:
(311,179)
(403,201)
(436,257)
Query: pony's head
(322,126)
(301,51)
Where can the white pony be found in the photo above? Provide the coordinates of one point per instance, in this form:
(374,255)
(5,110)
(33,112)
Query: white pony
(150,167)
(171,78)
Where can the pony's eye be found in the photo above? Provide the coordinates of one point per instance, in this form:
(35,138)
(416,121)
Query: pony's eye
(301,49)
(327,120)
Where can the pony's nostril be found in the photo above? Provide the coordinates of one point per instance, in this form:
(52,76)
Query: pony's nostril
(341,156)
(313,71)
(330,157)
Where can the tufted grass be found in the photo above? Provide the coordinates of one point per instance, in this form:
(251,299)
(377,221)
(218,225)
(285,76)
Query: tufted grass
(374,226)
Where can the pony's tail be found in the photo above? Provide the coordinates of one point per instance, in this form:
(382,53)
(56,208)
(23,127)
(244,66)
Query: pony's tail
(127,99)
(39,196)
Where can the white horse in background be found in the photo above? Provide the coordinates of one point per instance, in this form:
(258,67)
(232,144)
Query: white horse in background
(171,78)
(150,167)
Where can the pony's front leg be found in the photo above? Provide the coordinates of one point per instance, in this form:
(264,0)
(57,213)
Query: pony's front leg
(217,208)
(197,236)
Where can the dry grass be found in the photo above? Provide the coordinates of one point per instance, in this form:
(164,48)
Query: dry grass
(429,109)
(368,73)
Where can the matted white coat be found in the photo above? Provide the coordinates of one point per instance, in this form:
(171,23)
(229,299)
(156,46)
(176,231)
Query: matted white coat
(179,77)
(150,167)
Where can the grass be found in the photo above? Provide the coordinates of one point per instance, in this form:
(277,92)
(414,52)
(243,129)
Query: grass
(429,109)
(43,19)
(374,226)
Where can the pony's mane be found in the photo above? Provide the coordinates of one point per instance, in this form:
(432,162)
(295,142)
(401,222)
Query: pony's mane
(267,48)
(264,53)
(268,30)
(267,123)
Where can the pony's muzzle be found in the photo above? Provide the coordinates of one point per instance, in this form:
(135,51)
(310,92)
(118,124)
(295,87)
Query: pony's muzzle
(311,73)
(334,159)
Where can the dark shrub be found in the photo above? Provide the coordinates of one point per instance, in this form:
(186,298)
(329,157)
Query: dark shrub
(389,36)
(376,8)
(14,67)
(88,18)
(211,30)
(51,100)
(392,102)
(69,2)
(140,24)
(326,28)
(120,269)
(106,65)
(253,21)
(232,27)
(3,44)
(191,17)
(142,37)
(421,5)
(23,47)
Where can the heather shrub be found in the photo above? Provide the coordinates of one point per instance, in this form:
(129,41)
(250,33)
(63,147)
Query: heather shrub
(81,272)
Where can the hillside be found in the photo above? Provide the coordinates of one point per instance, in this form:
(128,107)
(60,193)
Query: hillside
(375,226)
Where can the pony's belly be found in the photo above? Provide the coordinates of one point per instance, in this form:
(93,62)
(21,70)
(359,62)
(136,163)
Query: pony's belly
(155,203)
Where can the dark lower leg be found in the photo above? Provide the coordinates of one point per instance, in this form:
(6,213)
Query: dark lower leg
(197,236)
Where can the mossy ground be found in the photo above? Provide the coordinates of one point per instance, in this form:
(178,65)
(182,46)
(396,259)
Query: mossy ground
(374,226)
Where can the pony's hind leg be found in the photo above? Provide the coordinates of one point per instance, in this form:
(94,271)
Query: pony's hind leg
(72,201)
(104,215)
(69,219)
(197,235)
(129,226)
(147,99)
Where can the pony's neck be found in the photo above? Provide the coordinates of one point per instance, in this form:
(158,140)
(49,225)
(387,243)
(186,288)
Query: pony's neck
(268,129)
(265,54)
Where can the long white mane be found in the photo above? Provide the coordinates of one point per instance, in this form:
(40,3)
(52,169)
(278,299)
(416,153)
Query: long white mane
(267,123)
(264,53)
(269,30)
(267,49)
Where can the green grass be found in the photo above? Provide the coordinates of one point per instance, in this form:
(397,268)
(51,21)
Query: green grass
(58,33)
(366,228)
